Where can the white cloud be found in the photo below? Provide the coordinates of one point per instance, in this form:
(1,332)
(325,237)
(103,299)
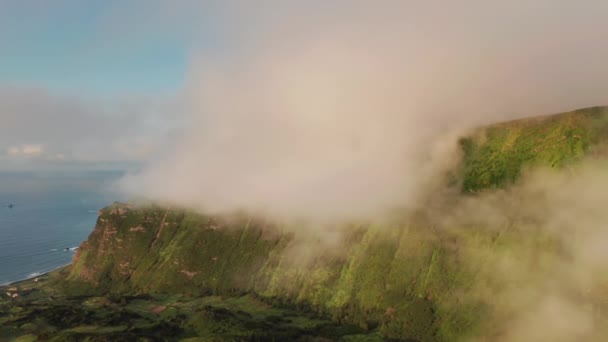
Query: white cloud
(27,150)
(341,108)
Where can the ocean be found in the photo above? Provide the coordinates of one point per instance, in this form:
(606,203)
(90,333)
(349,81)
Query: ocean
(42,214)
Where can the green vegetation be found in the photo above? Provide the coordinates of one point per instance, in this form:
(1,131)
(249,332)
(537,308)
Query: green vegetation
(42,314)
(163,273)
(497,155)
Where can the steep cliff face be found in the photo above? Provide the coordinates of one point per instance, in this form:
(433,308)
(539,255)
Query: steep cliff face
(155,249)
(417,277)
(395,277)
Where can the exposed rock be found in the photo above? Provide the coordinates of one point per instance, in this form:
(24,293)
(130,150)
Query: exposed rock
(159,309)
(189,274)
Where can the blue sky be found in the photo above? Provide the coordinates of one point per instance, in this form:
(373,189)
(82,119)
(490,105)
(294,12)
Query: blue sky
(87,46)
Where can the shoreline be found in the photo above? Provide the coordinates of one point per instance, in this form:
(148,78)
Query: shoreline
(42,274)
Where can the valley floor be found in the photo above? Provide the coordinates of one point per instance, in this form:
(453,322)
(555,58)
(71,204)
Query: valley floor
(35,311)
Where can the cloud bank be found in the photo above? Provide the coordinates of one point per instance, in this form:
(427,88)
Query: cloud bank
(347,109)
(539,262)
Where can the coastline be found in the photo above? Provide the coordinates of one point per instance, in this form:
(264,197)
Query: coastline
(42,274)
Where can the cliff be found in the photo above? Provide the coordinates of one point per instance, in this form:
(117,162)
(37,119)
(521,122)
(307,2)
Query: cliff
(426,276)
(398,278)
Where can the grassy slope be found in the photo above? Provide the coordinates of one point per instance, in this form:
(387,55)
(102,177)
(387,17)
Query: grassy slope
(400,281)
(497,155)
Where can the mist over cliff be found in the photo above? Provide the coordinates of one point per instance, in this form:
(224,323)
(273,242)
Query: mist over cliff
(506,245)
(328,170)
(377,116)
(348,110)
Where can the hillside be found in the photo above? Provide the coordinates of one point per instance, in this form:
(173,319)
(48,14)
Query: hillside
(496,155)
(435,274)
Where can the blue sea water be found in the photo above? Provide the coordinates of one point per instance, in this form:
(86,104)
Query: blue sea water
(50,212)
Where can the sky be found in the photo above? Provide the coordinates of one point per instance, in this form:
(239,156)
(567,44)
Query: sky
(124,84)
(79,47)
(86,84)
